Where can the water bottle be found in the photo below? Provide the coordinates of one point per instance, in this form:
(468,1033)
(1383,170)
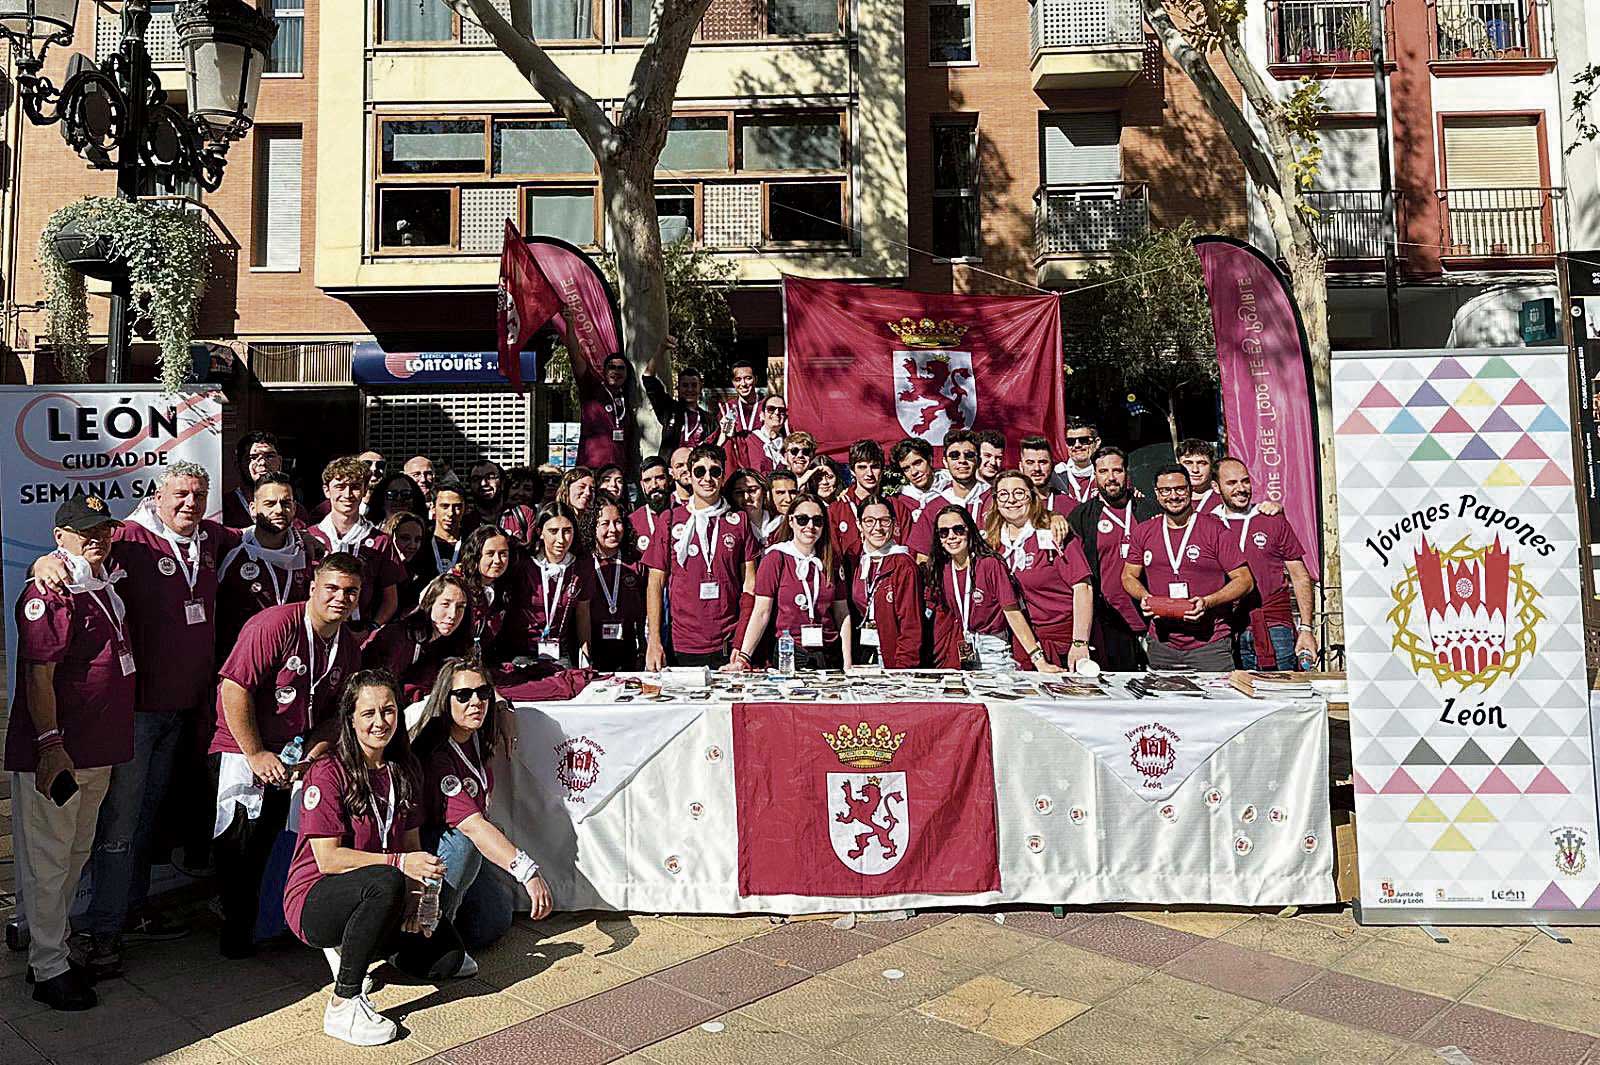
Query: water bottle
(1307,661)
(293,751)
(786,654)
(428,908)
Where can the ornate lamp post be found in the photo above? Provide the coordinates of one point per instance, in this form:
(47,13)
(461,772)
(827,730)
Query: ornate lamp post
(117,116)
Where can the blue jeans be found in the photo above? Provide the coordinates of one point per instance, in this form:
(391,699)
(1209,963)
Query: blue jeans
(1282,647)
(120,866)
(482,907)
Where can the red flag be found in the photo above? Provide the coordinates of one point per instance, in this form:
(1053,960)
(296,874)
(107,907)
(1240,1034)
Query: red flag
(864,799)
(526,302)
(918,364)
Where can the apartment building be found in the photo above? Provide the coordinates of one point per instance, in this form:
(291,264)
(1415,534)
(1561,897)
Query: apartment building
(1481,190)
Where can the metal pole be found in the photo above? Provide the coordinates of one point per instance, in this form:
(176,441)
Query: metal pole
(1380,88)
(119,331)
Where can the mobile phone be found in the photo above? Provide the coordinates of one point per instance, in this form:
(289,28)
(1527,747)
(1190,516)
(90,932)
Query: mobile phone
(63,787)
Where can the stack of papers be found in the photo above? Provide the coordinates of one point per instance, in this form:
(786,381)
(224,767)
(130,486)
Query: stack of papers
(1165,686)
(1262,685)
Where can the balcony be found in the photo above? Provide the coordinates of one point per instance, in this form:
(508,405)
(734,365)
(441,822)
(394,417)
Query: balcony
(1323,37)
(1498,32)
(1512,223)
(1349,224)
(1077,225)
(1085,44)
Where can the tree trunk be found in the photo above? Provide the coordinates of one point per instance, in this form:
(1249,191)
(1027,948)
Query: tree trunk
(1308,279)
(628,181)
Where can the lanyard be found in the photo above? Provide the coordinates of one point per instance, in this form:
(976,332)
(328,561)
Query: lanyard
(814,589)
(610,593)
(190,564)
(438,559)
(385,823)
(272,575)
(311,663)
(1175,558)
(874,577)
(746,423)
(1125,522)
(544,593)
(616,406)
(650,517)
(481,777)
(963,599)
(116,626)
(691,421)
(706,533)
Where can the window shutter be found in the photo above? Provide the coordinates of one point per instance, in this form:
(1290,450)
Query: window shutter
(1483,153)
(1083,149)
(282,175)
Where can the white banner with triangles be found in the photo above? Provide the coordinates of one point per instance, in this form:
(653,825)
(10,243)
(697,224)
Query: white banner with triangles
(1469,710)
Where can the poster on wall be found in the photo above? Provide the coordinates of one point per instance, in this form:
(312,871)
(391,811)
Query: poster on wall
(1581,277)
(108,440)
(1469,714)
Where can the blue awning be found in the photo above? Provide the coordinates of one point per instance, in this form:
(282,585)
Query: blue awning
(372,365)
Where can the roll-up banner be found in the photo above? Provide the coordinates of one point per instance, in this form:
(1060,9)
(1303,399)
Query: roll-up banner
(1469,715)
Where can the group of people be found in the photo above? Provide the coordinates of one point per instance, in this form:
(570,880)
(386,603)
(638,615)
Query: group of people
(336,670)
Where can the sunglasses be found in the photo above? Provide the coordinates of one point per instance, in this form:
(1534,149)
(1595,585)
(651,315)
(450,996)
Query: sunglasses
(1079,441)
(777,410)
(797,451)
(805,521)
(961,456)
(952,532)
(464,695)
(707,471)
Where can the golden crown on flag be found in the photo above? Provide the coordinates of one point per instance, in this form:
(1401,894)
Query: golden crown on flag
(927,333)
(865,747)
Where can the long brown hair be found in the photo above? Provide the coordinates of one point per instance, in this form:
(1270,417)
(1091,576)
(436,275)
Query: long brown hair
(436,718)
(824,548)
(404,769)
(421,618)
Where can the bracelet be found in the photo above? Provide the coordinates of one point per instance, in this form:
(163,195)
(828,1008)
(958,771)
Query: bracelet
(50,744)
(48,734)
(1303,627)
(1036,654)
(523,867)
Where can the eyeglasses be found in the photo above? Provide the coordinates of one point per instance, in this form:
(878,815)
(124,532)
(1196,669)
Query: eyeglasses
(873,523)
(952,532)
(707,471)
(960,456)
(464,695)
(1014,495)
(1175,490)
(1080,441)
(805,521)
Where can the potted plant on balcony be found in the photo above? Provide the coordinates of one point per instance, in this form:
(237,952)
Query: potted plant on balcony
(160,250)
(1466,32)
(1355,36)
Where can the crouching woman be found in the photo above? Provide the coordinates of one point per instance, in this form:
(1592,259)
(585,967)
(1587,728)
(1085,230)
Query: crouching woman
(355,882)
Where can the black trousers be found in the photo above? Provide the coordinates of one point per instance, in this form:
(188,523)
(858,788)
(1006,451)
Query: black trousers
(241,854)
(714,660)
(361,912)
(1117,649)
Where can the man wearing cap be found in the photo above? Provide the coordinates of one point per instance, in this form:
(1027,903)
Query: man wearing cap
(71,721)
(276,711)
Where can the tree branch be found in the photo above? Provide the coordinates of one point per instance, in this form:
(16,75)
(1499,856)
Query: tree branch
(660,64)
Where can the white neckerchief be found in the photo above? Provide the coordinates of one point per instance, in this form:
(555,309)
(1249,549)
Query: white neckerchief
(690,427)
(290,558)
(612,593)
(352,539)
(805,566)
(312,641)
(1015,548)
(972,502)
(86,581)
(768,525)
(559,570)
(438,559)
(746,424)
(772,446)
(1228,519)
(1176,558)
(385,822)
(480,775)
(702,525)
(1203,504)
(185,549)
(1079,485)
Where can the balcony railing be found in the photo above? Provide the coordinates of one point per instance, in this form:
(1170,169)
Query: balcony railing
(1088,219)
(1322,32)
(160,37)
(1349,224)
(1503,223)
(1492,30)
(1086,24)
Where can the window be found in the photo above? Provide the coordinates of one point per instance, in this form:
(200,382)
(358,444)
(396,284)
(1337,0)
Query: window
(564,213)
(633,19)
(1349,156)
(1083,149)
(675,212)
(955,190)
(950,31)
(699,143)
(433,146)
(802,18)
(288,47)
(805,212)
(416,218)
(1494,151)
(565,20)
(418,20)
(805,142)
(540,147)
(277,240)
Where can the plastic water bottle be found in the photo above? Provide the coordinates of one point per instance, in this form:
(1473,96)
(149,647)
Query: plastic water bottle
(428,908)
(293,751)
(1307,661)
(786,654)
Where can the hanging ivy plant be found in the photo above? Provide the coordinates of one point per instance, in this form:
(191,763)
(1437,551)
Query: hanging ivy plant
(162,248)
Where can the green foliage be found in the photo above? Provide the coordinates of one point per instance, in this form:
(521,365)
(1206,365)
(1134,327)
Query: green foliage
(1355,32)
(1302,113)
(164,248)
(1147,323)
(1586,85)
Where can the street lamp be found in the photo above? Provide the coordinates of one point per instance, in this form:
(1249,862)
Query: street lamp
(117,117)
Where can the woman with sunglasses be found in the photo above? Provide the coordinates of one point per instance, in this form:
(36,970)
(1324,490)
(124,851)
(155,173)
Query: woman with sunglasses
(886,591)
(394,494)
(761,449)
(489,569)
(356,876)
(413,647)
(552,598)
(801,591)
(461,727)
(1052,573)
(616,591)
(975,609)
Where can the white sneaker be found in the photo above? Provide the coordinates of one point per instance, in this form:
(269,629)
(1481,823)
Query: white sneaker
(332,954)
(469,966)
(355,1022)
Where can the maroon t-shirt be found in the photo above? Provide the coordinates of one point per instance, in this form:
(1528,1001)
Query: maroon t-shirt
(1114,545)
(176,658)
(991,592)
(1047,574)
(247,586)
(557,620)
(601,413)
(600,577)
(646,524)
(703,626)
(1269,545)
(323,816)
(1203,565)
(923,533)
(275,663)
(414,660)
(94,701)
(456,783)
(1061,503)
(778,576)
(379,569)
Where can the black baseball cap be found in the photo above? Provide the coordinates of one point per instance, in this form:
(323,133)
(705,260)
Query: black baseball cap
(82,513)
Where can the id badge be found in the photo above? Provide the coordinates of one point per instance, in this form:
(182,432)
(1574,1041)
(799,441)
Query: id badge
(549,648)
(968,654)
(811,636)
(617,435)
(869,636)
(194,612)
(1178,590)
(125,660)
(1124,549)
(611,631)
(709,590)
